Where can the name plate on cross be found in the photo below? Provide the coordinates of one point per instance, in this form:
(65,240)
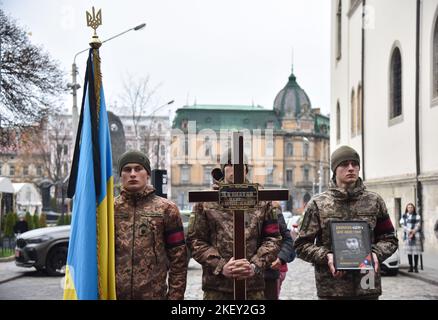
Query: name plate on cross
(238,196)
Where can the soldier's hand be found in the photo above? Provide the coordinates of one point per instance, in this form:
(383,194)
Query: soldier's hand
(376,263)
(276,264)
(227,270)
(331,265)
(242,269)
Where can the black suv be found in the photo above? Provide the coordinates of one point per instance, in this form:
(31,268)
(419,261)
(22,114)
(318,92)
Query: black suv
(43,248)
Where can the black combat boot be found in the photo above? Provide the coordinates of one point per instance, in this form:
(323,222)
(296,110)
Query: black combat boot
(416,263)
(410,263)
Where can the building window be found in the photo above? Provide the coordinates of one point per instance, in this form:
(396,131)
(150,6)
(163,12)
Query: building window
(160,127)
(163,151)
(65,149)
(1,169)
(269,149)
(186,147)
(207,147)
(12,170)
(289,176)
(39,170)
(128,128)
(290,149)
(396,84)
(25,170)
(305,149)
(270,124)
(247,148)
(397,210)
(269,175)
(338,123)
(359,110)
(207,176)
(306,174)
(185,174)
(435,61)
(339,31)
(353,113)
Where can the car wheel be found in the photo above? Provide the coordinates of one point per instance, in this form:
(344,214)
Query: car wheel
(39,269)
(56,261)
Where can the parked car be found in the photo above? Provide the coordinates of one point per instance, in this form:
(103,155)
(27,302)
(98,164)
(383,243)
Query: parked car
(185,216)
(287,215)
(294,224)
(391,265)
(44,248)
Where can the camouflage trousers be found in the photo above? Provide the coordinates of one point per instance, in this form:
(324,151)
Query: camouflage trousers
(218,295)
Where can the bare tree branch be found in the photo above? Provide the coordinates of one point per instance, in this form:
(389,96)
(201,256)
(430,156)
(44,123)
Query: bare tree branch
(137,100)
(30,80)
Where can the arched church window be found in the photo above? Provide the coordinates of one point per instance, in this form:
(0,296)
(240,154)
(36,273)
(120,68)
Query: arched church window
(339,31)
(396,84)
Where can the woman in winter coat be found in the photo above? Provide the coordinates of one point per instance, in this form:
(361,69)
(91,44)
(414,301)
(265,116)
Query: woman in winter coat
(411,223)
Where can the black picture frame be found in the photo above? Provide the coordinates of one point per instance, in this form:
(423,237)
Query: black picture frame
(351,245)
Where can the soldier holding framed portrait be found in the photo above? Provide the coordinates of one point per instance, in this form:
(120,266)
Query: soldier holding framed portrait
(346,200)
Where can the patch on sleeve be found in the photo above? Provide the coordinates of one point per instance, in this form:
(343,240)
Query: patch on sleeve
(174,237)
(271,228)
(383,226)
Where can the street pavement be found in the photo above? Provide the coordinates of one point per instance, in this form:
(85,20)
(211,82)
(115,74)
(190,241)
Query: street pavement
(298,285)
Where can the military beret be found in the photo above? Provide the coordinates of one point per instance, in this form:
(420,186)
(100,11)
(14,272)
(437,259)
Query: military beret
(134,156)
(342,154)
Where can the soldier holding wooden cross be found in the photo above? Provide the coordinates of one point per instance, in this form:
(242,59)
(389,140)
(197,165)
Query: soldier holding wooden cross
(213,239)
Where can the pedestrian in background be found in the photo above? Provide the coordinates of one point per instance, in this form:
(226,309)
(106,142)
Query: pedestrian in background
(21,226)
(411,223)
(275,275)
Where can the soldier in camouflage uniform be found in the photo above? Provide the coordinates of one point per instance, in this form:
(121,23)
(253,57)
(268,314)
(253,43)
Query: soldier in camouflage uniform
(150,245)
(210,239)
(346,199)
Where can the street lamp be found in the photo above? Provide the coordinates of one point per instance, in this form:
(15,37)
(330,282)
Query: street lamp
(75,86)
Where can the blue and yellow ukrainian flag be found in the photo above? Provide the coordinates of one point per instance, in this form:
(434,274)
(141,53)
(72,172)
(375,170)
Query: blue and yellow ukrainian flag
(90,270)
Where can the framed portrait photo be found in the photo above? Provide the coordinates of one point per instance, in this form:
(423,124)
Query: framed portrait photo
(351,245)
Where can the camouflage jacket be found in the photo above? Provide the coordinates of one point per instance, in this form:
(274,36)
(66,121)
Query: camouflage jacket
(210,238)
(149,247)
(337,204)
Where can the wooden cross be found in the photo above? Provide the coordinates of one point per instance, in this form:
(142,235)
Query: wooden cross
(229,195)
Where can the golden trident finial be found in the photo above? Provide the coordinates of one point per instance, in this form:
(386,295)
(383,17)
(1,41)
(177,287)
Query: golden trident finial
(94,21)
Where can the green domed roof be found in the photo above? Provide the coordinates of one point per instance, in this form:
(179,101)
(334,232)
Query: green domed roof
(291,100)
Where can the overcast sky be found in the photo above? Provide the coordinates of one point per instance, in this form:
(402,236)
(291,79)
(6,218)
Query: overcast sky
(235,52)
